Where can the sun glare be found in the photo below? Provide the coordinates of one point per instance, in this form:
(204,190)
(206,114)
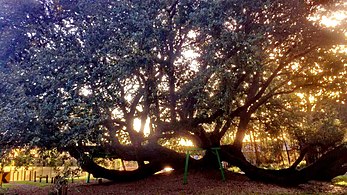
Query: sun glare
(247,138)
(185,142)
(137,126)
(85,91)
(191,54)
(334,20)
(167,169)
(340,48)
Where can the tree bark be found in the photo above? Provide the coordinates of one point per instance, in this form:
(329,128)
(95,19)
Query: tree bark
(241,131)
(330,165)
(158,157)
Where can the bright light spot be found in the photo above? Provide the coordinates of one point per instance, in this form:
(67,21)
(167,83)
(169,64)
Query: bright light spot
(194,65)
(247,138)
(295,66)
(191,34)
(85,91)
(300,95)
(191,54)
(272,56)
(167,169)
(185,142)
(137,126)
(329,22)
(340,48)
(336,122)
(333,20)
(117,113)
(311,98)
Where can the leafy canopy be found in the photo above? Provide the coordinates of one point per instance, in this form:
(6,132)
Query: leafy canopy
(81,72)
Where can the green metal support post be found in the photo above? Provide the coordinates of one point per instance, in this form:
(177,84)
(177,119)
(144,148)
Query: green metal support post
(88,178)
(186,169)
(215,150)
(219,162)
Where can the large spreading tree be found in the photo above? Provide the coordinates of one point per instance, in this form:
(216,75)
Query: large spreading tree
(77,75)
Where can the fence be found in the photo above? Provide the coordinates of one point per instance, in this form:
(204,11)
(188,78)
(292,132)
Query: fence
(40,174)
(46,174)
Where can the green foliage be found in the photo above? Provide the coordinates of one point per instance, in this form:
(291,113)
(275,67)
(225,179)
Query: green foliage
(323,127)
(24,160)
(30,183)
(36,157)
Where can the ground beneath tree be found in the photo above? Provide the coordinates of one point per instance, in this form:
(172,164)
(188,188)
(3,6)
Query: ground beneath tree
(198,183)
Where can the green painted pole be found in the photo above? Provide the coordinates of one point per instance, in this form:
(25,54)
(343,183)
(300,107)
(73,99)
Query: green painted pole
(219,162)
(186,169)
(88,178)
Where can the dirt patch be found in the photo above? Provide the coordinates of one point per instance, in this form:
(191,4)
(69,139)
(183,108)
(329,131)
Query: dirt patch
(198,183)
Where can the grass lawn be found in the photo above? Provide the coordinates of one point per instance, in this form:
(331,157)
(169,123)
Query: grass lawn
(31,183)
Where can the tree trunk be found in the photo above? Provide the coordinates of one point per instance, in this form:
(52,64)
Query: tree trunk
(158,157)
(255,146)
(330,165)
(241,130)
(286,147)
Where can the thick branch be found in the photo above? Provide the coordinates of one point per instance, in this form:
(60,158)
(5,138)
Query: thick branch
(330,165)
(188,123)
